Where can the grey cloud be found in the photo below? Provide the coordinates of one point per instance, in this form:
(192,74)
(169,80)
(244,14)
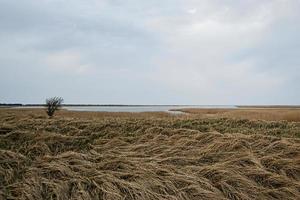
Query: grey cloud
(174,51)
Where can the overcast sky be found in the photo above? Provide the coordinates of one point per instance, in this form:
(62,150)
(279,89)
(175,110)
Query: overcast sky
(150,51)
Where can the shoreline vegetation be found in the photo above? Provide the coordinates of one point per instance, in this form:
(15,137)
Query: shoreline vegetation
(261,113)
(207,154)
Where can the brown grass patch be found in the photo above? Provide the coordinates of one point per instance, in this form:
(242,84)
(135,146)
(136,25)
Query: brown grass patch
(143,156)
(270,114)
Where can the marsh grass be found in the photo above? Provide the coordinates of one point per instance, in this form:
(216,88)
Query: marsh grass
(146,156)
(269,114)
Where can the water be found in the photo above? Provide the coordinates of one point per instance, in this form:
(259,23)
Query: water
(140,108)
(146,108)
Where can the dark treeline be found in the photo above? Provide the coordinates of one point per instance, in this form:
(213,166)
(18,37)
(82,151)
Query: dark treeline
(10,104)
(110,105)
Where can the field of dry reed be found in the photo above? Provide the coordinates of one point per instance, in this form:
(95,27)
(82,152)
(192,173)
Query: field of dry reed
(83,155)
(269,114)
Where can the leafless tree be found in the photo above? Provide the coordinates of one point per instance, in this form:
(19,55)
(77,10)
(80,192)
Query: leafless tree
(53,104)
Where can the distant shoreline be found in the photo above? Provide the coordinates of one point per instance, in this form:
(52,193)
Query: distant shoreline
(107,105)
(160,105)
(270,106)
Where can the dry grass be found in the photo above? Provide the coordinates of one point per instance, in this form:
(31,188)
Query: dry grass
(146,156)
(270,114)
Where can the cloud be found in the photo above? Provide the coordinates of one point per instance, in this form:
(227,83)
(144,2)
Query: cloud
(176,51)
(67,61)
(192,11)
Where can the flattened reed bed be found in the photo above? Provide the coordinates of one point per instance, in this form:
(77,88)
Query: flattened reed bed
(147,158)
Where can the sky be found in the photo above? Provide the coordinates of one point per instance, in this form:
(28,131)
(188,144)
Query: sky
(200,52)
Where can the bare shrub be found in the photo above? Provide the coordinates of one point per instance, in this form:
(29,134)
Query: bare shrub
(53,104)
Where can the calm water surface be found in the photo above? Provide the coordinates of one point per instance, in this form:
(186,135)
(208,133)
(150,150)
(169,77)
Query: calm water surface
(137,108)
(149,108)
